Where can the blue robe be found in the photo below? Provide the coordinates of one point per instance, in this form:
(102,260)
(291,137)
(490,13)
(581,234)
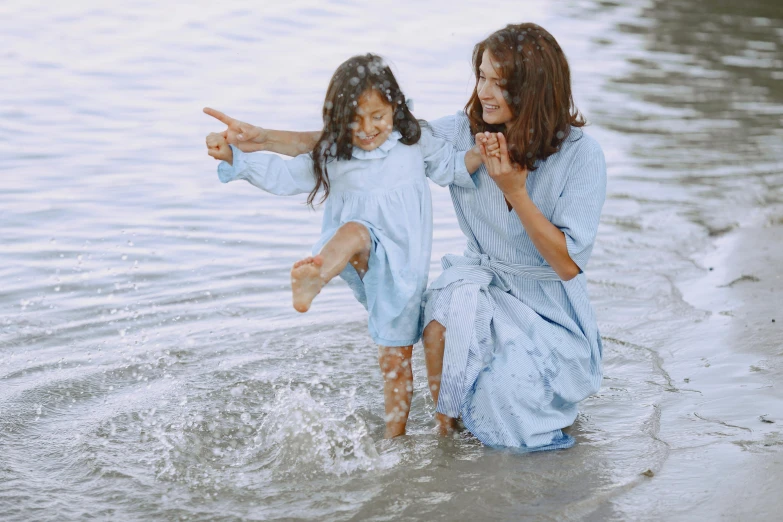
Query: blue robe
(522,346)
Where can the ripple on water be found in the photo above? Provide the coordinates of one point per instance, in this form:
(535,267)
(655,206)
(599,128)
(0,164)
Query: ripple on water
(151,365)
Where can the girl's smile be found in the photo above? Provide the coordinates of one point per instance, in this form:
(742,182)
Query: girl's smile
(368,139)
(374,121)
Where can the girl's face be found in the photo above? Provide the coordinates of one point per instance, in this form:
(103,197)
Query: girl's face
(495,109)
(374,121)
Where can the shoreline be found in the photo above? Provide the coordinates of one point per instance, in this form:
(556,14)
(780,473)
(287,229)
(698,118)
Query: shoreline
(728,462)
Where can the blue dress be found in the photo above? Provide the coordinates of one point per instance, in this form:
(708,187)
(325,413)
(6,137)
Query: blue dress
(386,190)
(522,346)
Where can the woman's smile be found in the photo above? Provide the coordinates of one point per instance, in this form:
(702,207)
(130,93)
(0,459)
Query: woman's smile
(495,109)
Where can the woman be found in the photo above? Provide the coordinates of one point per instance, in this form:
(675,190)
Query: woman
(511,341)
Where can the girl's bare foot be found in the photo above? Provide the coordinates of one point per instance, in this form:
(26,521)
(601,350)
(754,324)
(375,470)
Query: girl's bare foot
(306,282)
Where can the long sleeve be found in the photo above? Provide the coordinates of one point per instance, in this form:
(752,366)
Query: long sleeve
(270,173)
(444,164)
(578,208)
(445,128)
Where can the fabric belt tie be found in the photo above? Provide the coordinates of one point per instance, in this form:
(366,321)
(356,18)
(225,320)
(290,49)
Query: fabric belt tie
(473,272)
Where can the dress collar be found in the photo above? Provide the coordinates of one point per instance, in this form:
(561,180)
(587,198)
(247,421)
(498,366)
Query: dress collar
(382,151)
(574,134)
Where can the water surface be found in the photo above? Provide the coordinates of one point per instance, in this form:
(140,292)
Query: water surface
(151,366)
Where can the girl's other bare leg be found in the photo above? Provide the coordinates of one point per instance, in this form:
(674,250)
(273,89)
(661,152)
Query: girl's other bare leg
(351,243)
(434,340)
(395,362)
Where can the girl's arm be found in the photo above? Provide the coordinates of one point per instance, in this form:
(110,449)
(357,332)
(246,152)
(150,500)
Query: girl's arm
(444,164)
(473,159)
(270,173)
(249,138)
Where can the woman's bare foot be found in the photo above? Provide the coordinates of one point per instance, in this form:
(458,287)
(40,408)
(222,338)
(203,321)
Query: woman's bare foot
(306,282)
(444,424)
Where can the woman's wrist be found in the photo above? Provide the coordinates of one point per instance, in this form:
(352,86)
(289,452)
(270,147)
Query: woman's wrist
(261,138)
(518,197)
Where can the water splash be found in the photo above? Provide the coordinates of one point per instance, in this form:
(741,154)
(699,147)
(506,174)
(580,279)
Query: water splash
(305,437)
(295,436)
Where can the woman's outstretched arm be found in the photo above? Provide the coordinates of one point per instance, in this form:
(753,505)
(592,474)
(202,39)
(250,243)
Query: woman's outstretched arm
(549,240)
(268,172)
(249,138)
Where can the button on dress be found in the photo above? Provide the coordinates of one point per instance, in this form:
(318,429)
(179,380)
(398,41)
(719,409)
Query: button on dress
(522,346)
(386,190)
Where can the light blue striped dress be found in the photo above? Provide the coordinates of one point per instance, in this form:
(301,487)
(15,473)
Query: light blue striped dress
(386,190)
(522,346)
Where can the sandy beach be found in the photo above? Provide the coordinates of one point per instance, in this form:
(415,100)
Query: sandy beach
(725,456)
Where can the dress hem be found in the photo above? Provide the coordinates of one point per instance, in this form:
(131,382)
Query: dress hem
(392,344)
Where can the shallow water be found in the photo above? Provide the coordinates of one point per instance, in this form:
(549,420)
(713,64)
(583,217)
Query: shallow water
(150,363)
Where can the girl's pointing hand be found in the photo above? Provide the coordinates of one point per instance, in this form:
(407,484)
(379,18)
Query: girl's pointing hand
(218,148)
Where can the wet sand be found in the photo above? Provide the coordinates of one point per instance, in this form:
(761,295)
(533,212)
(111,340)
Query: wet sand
(727,463)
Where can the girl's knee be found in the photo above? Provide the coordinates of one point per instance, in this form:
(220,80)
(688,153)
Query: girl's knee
(394,360)
(434,332)
(356,230)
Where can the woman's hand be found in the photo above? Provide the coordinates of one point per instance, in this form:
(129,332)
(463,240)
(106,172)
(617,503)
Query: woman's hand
(246,137)
(218,148)
(507,175)
(549,240)
(490,139)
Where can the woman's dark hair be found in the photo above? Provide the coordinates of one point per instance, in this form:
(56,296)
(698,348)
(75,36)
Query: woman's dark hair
(351,80)
(536,85)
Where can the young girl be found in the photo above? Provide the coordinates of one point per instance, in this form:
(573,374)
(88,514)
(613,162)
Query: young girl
(370,164)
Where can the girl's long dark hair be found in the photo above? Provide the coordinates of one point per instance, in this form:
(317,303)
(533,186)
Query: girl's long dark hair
(536,85)
(353,78)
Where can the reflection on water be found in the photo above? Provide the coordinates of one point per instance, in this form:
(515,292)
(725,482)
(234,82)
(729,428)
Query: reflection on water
(709,79)
(151,364)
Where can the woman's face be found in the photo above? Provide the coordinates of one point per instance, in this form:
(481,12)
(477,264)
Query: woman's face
(495,109)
